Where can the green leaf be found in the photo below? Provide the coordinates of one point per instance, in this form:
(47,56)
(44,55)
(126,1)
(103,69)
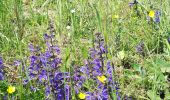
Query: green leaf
(152,95)
(136,67)
(164,65)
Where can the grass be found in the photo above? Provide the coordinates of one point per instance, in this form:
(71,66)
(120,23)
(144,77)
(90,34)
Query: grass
(141,75)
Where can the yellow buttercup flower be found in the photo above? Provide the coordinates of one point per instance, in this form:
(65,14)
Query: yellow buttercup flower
(151,13)
(11,89)
(102,78)
(82,96)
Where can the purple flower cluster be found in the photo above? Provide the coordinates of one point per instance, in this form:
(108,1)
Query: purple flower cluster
(95,67)
(132,3)
(61,87)
(140,48)
(157,16)
(95,78)
(44,67)
(1,69)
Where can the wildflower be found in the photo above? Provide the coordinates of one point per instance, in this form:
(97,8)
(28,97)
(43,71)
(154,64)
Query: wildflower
(17,63)
(47,91)
(102,78)
(82,96)
(104,94)
(140,48)
(67,92)
(115,16)
(68,27)
(32,88)
(169,40)
(1,76)
(117,92)
(151,14)
(73,11)
(110,74)
(121,54)
(157,16)
(131,4)
(58,86)
(43,76)
(1,69)
(11,89)
(25,81)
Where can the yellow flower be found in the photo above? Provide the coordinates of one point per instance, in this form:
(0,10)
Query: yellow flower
(115,16)
(82,96)
(102,78)
(11,89)
(151,13)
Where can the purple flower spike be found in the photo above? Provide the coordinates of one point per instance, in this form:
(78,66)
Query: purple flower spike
(47,91)
(1,63)
(1,69)
(1,76)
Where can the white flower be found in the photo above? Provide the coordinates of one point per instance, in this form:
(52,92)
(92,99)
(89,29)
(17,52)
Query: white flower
(121,54)
(68,27)
(73,11)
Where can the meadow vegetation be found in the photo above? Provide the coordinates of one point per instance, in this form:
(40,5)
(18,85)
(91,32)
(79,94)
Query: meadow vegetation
(84,50)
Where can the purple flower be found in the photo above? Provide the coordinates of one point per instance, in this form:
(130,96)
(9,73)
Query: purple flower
(89,96)
(117,92)
(140,48)
(46,36)
(157,16)
(31,47)
(169,40)
(42,76)
(1,63)
(47,91)
(32,75)
(1,76)
(5,97)
(25,81)
(1,69)
(110,75)
(105,95)
(33,59)
(85,70)
(93,52)
(67,92)
(17,63)
(33,89)
(57,49)
(55,62)
(61,88)
(132,3)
